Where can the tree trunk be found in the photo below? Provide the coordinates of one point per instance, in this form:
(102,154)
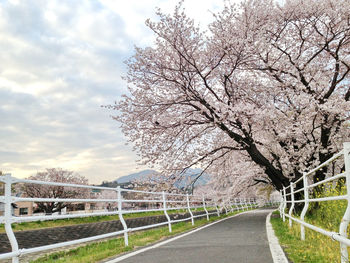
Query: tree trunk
(276,175)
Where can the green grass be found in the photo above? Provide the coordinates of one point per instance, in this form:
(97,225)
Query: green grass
(102,250)
(85,220)
(316,248)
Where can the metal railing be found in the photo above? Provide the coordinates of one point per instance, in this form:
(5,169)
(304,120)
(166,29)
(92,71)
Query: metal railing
(126,201)
(291,189)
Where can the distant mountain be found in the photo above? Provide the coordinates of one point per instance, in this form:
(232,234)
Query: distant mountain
(190,175)
(135,176)
(185,179)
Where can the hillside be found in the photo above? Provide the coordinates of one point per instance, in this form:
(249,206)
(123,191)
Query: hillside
(186,179)
(135,176)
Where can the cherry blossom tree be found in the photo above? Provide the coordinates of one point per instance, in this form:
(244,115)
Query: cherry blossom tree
(48,191)
(104,194)
(262,94)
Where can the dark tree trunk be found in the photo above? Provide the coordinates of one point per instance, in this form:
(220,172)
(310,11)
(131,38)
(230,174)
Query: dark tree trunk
(276,175)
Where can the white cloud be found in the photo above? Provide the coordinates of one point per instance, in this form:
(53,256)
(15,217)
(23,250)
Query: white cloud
(60,61)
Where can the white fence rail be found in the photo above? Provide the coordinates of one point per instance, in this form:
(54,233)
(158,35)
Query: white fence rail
(342,235)
(125,201)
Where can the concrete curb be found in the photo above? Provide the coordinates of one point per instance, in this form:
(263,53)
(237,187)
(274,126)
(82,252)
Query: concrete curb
(277,253)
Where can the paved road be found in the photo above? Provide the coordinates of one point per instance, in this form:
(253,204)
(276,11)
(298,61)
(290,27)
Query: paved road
(241,239)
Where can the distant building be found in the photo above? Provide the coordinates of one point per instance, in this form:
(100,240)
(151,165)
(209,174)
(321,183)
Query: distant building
(19,209)
(24,209)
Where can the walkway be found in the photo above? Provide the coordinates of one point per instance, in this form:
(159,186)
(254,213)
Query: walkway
(240,239)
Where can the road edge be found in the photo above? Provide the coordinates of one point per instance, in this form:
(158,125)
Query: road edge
(277,253)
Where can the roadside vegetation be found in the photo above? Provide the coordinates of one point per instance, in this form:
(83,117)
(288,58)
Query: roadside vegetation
(316,248)
(97,251)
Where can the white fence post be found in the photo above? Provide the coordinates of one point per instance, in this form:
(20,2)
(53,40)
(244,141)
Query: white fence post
(292,206)
(231,206)
(281,204)
(8,216)
(346,218)
(166,212)
(189,208)
(205,209)
(306,206)
(284,204)
(225,209)
(245,204)
(121,218)
(250,204)
(217,208)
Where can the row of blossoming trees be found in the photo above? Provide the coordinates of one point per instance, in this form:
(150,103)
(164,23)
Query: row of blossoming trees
(258,97)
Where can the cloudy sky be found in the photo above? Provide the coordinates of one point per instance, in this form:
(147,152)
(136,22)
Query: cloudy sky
(59,62)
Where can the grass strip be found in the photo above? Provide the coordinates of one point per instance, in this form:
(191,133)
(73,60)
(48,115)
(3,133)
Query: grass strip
(316,248)
(95,252)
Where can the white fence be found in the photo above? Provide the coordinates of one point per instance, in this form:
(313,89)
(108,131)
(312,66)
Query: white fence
(342,235)
(125,202)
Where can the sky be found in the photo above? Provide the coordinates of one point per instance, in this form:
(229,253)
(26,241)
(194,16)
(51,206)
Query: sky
(60,61)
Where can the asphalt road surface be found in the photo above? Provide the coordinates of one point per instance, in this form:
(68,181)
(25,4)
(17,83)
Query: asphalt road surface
(241,239)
